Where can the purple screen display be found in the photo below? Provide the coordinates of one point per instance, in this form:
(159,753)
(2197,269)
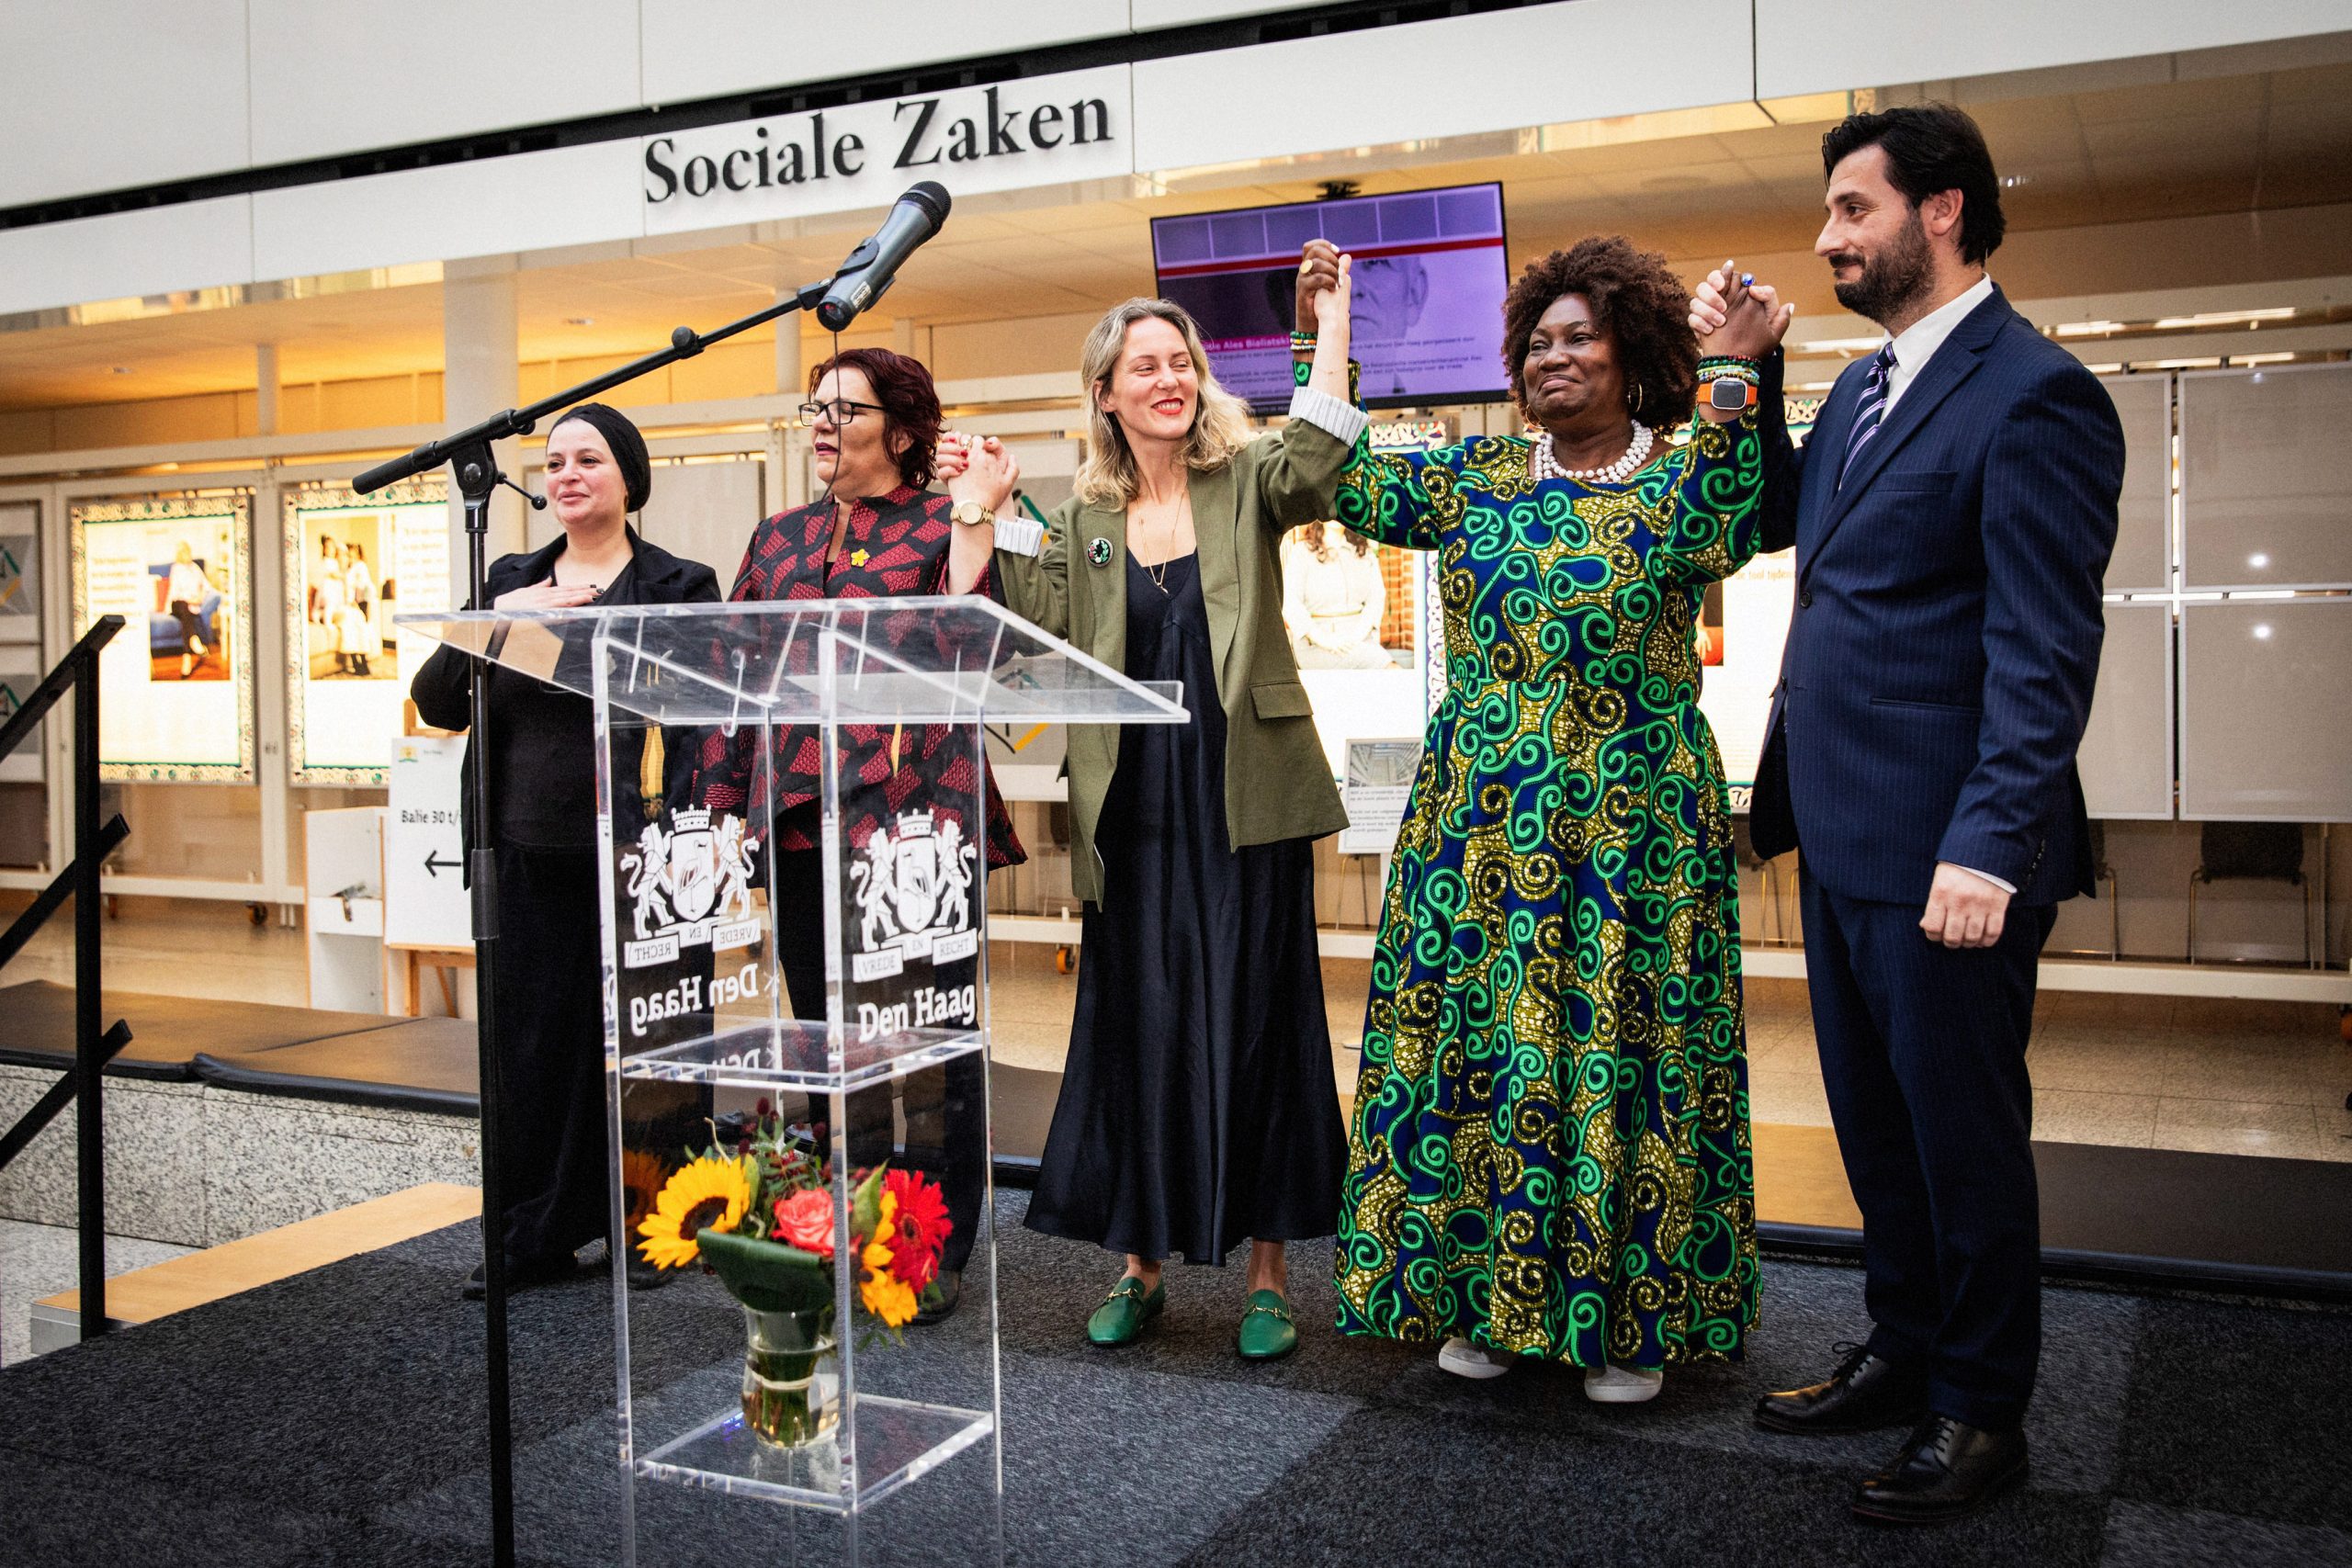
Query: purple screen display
(1429,274)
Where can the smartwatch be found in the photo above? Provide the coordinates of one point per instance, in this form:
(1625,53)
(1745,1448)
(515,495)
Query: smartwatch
(1731,394)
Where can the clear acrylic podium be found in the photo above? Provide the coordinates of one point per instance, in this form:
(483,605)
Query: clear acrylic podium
(762,767)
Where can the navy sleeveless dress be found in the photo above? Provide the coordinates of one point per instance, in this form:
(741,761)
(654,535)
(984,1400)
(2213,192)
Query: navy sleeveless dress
(1198,1107)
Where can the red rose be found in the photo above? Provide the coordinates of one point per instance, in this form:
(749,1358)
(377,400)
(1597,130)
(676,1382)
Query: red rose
(805,1220)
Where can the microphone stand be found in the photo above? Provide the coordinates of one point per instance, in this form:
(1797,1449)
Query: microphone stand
(475,470)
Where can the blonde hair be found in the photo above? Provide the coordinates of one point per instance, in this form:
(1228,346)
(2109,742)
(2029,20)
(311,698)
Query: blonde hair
(1107,475)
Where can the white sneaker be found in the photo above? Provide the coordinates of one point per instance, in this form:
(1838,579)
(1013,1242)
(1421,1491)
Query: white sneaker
(1465,1359)
(1614,1384)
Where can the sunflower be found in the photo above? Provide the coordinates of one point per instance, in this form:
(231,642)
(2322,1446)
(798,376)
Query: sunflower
(641,1175)
(884,1294)
(709,1194)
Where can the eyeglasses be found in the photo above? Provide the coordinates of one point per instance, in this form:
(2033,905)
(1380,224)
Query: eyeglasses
(841,411)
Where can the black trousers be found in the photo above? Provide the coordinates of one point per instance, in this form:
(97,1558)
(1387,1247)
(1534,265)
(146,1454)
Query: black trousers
(550,1043)
(191,627)
(1923,1055)
(944,1105)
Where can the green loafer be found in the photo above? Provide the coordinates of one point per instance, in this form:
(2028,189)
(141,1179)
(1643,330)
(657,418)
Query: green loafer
(1267,1331)
(1125,1311)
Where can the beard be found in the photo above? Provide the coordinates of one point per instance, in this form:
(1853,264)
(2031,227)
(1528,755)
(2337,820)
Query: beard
(1891,280)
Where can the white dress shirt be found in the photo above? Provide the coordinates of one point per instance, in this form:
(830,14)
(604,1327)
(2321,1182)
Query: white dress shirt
(1916,346)
(1923,337)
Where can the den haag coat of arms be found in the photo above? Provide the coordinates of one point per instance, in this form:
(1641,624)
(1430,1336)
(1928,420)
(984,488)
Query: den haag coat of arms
(911,894)
(691,887)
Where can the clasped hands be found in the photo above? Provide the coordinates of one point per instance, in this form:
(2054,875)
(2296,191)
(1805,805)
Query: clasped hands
(1744,319)
(977,467)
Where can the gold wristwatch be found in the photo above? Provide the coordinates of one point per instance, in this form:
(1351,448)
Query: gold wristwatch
(972,515)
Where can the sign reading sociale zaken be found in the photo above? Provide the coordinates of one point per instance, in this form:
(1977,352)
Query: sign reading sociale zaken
(1001,137)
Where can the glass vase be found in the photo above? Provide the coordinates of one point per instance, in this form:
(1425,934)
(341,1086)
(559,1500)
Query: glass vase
(791,1377)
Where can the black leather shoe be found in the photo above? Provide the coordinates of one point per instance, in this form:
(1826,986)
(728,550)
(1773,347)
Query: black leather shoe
(522,1274)
(1864,1393)
(939,1297)
(1946,1468)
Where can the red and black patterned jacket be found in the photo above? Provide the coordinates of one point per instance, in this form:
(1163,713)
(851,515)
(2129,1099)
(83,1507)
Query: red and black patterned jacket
(896,544)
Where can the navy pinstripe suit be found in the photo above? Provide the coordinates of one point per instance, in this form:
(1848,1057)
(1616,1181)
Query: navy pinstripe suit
(1938,674)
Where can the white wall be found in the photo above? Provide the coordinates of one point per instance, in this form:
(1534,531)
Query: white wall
(101,94)
(1456,77)
(1827,46)
(700,49)
(106,94)
(345,75)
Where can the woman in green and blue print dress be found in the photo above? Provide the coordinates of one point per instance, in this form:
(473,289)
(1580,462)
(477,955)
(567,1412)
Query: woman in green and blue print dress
(1550,1152)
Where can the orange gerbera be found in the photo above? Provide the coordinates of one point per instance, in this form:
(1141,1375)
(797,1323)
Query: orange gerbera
(884,1295)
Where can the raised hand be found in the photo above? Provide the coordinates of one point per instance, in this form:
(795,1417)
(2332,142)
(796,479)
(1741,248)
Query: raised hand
(1735,315)
(1331,299)
(985,473)
(949,458)
(1318,271)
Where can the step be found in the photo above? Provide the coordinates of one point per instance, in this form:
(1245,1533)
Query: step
(145,1295)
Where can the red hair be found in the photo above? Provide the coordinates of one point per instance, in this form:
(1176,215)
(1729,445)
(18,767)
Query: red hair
(909,400)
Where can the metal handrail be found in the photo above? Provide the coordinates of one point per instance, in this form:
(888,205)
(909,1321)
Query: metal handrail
(94,1044)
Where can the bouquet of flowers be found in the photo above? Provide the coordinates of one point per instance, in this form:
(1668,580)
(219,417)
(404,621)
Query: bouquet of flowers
(757,1208)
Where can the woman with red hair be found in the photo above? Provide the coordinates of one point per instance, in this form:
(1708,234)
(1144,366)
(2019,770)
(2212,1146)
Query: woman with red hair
(874,417)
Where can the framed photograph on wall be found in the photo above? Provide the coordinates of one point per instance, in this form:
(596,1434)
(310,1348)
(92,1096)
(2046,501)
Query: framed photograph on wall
(353,562)
(20,671)
(176,685)
(20,572)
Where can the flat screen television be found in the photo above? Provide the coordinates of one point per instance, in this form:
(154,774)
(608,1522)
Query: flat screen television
(1429,274)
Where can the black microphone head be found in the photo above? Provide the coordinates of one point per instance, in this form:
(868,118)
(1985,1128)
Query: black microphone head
(538,502)
(932,197)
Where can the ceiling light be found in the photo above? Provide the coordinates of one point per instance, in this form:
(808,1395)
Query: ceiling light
(2262,632)
(2086,329)
(2258,560)
(2226,318)
(1840,345)
(2011,182)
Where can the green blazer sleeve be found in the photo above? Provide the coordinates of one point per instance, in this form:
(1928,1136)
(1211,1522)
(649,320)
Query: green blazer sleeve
(1036,588)
(1298,475)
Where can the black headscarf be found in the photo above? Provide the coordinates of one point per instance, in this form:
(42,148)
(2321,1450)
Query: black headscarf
(628,446)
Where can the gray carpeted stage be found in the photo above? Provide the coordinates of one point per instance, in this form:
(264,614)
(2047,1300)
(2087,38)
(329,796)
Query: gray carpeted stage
(335,1419)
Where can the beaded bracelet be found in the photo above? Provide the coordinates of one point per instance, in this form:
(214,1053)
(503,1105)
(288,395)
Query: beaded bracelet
(1302,343)
(1719,367)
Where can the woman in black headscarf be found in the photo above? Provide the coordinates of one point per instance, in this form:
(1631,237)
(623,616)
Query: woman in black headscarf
(541,754)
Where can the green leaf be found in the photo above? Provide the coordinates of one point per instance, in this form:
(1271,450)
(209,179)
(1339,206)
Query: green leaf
(767,1276)
(865,1205)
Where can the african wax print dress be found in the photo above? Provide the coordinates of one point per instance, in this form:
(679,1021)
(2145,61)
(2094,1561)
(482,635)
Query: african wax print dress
(1550,1150)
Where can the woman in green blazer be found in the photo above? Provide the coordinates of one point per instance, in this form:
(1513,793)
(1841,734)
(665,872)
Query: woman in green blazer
(1197,1103)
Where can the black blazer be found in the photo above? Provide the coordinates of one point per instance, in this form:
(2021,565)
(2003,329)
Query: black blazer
(544,787)
(1945,640)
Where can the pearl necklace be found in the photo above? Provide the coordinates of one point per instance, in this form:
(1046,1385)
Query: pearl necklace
(1543,466)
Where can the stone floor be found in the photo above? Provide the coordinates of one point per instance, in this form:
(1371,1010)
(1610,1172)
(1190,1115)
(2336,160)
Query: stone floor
(37,1261)
(2144,1072)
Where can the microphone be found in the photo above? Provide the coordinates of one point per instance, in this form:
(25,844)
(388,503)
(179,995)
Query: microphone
(870,269)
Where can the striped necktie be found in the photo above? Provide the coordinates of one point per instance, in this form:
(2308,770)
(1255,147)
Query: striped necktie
(1868,411)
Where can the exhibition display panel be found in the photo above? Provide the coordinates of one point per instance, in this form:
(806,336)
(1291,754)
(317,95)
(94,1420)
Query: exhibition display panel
(179,568)
(793,812)
(352,563)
